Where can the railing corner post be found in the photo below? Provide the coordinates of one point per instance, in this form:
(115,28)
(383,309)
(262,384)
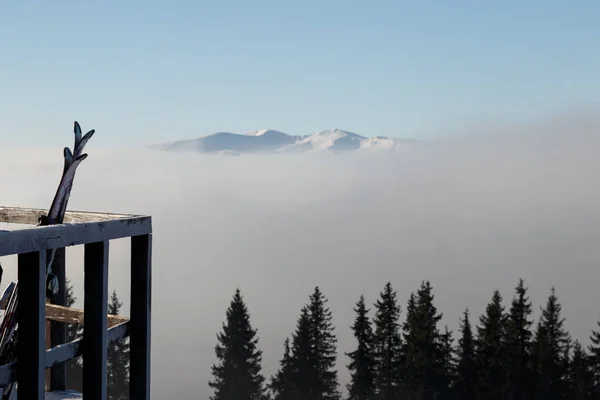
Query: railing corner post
(141,307)
(31,317)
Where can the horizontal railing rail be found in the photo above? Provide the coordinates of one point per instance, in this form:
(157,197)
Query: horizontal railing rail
(93,227)
(63,353)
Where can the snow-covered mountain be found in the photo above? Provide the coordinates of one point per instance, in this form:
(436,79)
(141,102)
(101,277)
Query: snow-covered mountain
(272,141)
(259,141)
(380,143)
(334,140)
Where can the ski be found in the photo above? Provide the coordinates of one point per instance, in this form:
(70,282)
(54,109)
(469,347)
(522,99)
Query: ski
(56,214)
(57,210)
(80,143)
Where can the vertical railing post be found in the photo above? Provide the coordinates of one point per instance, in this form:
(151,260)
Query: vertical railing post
(58,331)
(31,316)
(140,313)
(95,309)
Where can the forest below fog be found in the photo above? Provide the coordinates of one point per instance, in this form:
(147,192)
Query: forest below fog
(402,352)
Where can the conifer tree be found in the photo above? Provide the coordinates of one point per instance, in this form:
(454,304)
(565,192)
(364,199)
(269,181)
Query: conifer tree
(74,367)
(69,293)
(466,373)
(408,351)
(447,365)
(326,386)
(518,346)
(117,359)
(299,374)
(426,343)
(550,352)
(297,371)
(237,375)
(490,350)
(388,344)
(362,364)
(580,374)
(281,384)
(309,371)
(594,360)
(424,347)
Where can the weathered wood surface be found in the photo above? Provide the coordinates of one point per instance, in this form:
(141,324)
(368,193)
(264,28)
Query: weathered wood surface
(70,315)
(29,216)
(57,236)
(64,352)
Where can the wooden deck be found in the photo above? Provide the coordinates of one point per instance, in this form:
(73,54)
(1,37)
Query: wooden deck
(94,231)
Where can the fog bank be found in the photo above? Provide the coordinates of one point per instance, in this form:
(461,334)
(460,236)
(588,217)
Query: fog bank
(472,212)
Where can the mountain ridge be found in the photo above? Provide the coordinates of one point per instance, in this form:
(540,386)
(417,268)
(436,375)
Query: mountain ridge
(273,141)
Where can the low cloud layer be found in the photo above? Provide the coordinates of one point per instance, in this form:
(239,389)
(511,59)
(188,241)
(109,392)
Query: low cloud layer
(471,212)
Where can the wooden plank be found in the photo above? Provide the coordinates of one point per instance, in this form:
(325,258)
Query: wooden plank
(141,307)
(63,353)
(73,349)
(95,306)
(68,315)
(57,236)
(29,216)
(58,331)
(30,313)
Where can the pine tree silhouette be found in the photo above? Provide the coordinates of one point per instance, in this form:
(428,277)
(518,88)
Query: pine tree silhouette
(74,367)
(446,373)
(408,351)
(309,371)
(326,386)
(490,350)
(426,344)
(594,359)
(466,371)
(518,346)
(117,358)
(387,345)
(281,385)
(303,372)
(237,375)
(362,364)
(580,374)
(551,352)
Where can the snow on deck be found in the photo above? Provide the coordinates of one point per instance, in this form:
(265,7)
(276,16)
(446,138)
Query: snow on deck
(54,395)
(64,395)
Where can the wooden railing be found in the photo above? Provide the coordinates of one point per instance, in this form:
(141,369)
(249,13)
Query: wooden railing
(94,231)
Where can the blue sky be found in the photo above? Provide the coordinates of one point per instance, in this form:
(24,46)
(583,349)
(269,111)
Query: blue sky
(142,72)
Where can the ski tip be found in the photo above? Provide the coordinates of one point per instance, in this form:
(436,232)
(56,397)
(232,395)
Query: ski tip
(76,128)
(67,153)
(90,133)
(81,157)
